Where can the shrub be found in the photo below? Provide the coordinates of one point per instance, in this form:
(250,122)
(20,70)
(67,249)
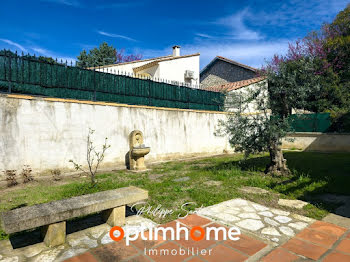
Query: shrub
(340,121)
(91,156)
(56,174)
(27,174)
(10,177)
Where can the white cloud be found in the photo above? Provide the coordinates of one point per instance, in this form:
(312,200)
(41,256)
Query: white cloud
(41,51)
(297,13)
(237,28)
(86,46)
(127,4)
(18,46)
(73,3)
(253,53)
(204,35)
(44,52)
(116,36)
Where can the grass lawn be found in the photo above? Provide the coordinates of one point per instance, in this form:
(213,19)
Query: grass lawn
(210,181)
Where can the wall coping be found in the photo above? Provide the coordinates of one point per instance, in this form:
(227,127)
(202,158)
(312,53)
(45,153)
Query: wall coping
(316,134)
(88,102)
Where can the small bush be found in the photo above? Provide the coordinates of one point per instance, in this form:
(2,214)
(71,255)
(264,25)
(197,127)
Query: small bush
(91,156)
(11,177)
(27,174)
(340,121)
(56,174)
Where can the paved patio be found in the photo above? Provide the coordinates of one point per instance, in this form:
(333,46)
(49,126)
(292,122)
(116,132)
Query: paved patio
(318,242)
(281,237)
(269,223)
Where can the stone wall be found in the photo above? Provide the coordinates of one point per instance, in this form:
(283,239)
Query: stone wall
(326,142)
(223,72)
(46,133)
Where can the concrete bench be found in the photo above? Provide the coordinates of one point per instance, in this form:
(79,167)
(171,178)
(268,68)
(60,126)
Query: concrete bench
(51,217)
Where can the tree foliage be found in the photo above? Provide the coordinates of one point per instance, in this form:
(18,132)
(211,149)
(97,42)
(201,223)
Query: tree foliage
(45,59)
(104,55)
(337,43)
(289,83)
(331,46)
(313,75)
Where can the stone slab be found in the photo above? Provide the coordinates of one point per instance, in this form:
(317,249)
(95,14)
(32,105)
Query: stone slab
(76,243)
(54,234)
(115,217)
(253,190)
(337,220)
(49,213)
(269,223)
(298,204)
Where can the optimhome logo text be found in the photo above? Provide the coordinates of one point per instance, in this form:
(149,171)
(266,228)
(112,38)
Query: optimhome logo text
(170,233)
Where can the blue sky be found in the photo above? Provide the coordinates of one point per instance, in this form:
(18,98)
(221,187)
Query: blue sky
(246,31)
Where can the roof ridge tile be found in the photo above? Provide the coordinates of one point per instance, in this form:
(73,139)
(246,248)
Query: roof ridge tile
(235,85)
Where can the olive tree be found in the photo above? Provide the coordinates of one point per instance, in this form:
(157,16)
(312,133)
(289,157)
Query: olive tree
(289,83)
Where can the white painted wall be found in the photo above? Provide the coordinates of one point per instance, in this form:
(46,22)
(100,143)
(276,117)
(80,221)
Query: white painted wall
(46,134)
(175,69)
(171,70)
(153,71)
(124,67)
(322,142)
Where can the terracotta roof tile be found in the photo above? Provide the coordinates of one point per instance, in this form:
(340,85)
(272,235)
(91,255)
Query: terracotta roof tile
(235,85)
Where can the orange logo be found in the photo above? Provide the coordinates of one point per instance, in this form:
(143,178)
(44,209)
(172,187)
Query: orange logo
(133,233)
(193,230)
(116,228)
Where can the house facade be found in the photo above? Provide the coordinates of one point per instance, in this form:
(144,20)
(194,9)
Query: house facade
(175,68)
(222,70)
(236,92)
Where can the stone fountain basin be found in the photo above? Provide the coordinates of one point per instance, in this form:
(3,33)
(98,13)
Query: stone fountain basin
(141,151)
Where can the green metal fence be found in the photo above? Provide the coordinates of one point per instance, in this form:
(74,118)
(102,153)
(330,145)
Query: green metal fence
(319,122)
(20,74)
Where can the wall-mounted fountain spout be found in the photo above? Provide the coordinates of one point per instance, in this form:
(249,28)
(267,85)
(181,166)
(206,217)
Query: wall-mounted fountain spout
(137,151)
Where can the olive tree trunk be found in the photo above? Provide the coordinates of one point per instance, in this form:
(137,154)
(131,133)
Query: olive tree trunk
(278,164)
